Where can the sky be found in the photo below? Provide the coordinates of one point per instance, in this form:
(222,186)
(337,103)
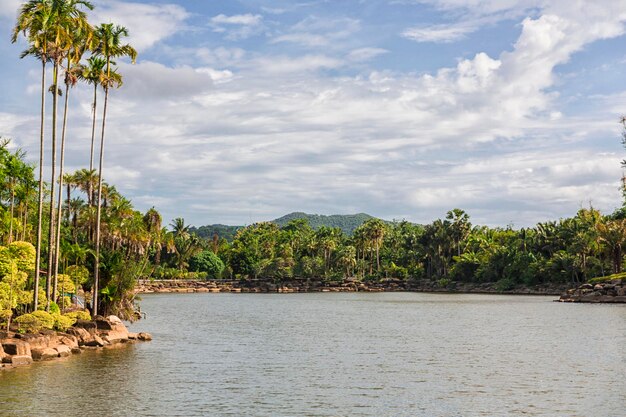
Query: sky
(244,110)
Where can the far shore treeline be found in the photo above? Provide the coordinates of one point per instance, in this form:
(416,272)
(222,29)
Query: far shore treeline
(75,234)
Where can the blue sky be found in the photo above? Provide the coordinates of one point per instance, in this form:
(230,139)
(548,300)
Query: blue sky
(242,111)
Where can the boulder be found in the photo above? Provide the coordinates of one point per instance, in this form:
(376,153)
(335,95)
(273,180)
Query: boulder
(96,341)
(21,360)
(90,326)
(103,324)
(64,351)
(132,336)
(35,341)
(83,336)
(43,354)
(115,337)
(69,341)
(145,337)
(16,347)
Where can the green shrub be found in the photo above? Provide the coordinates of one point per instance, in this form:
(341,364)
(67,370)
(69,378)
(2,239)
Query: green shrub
(78,315)
(54,308)
(62,323)
(443,282)
(34,322)
(505,284)
(46,319)
(24,255)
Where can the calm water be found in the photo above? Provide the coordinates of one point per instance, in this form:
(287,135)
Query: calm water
(383,354)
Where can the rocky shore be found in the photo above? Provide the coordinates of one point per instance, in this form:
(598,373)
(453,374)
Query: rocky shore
(22,349)
(303,285)
(613,291)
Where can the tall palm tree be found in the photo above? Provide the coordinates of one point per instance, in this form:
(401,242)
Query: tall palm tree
(80,42)
(109,46)
(68,18)
(34,22)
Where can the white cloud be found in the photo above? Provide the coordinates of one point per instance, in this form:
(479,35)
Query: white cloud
(365,54)
(240,19)
(237,27)
(148,24)
(320,32)
(439,33)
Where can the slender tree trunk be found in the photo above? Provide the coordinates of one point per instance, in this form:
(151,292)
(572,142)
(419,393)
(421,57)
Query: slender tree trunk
(60,200)
(93,132)
(51,229)
(12,209)
(40,204)
(69,196)
(96,272)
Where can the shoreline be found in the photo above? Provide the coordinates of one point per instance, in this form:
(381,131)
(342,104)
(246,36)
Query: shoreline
(613,292)
(21,349)
(304,286)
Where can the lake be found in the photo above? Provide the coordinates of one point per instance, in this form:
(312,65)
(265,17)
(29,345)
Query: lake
(343,354)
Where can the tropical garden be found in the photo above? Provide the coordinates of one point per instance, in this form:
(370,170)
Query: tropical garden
(69,240)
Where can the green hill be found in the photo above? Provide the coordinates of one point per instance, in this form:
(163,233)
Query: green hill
(222,230)
(346,222)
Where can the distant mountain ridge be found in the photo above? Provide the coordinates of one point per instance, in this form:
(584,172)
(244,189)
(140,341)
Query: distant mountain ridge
(346,222)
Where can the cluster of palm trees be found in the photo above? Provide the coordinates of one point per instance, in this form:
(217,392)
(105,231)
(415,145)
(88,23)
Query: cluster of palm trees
(59,34)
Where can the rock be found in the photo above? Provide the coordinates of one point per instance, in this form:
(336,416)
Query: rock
(202,290)
(598,287)
(2,354)
(115,337)
(90,326)
(21,360)
(95,342)
(43,354)
(621,291)
(145,337)
(69,341)
(16,347)
(83,336)
(586,287)
(114,319)
(132,336)
(64,351)
(35,341)
(103,324)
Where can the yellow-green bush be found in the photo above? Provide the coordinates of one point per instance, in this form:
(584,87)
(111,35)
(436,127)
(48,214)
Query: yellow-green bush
(79,315)
(24,255)
(46,319)
(29,323)
(62,323)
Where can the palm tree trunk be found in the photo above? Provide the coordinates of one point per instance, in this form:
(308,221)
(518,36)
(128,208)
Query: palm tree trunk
(51,230)
(60,200)
(12,209)
(69,196)
(93,130)
(96,272)
(40,204)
